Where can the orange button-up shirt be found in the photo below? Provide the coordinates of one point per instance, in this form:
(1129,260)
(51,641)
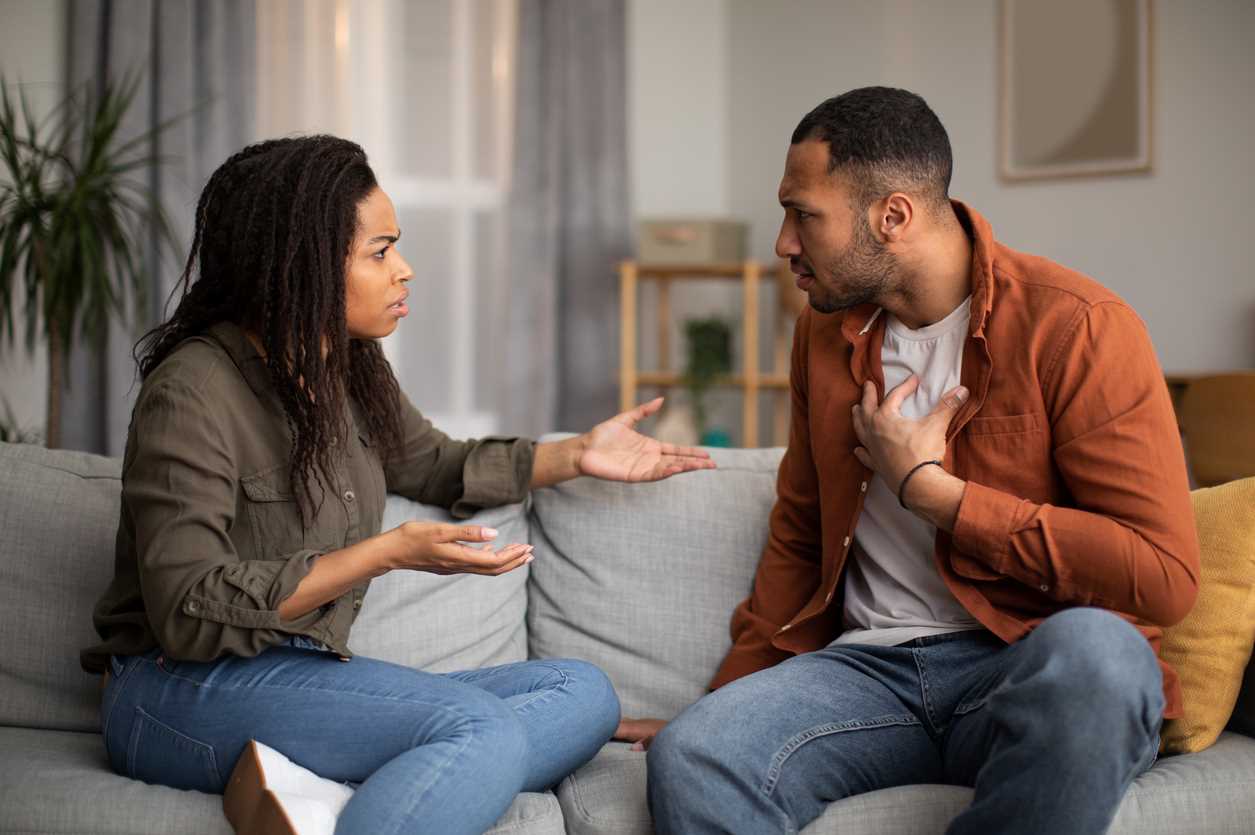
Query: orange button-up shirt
(1076,492)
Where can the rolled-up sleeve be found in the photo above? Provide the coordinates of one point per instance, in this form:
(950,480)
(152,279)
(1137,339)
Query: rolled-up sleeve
(179,495)
(461,476)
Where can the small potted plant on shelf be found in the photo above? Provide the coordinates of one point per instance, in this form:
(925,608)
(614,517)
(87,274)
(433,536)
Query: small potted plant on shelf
(709,358)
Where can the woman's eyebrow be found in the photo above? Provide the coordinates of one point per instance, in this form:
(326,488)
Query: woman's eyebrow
(384,238)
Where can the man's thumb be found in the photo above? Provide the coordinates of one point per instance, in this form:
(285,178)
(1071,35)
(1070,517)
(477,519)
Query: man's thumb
(951,402)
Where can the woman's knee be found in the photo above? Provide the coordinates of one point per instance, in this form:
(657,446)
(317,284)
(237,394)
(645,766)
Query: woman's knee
(594,693)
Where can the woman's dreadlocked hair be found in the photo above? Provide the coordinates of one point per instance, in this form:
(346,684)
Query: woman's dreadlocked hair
(274,226)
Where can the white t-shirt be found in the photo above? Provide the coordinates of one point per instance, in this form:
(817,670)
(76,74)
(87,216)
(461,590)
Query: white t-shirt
(893,592)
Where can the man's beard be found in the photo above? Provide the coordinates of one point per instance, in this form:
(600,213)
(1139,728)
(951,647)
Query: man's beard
(866,270)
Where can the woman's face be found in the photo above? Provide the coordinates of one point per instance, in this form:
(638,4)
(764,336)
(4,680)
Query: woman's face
(374,280)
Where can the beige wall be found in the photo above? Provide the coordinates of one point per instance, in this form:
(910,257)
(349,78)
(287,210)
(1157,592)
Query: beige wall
(31,51)
(1177,244)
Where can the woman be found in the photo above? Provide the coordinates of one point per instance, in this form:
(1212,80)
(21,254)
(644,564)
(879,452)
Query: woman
(266,434)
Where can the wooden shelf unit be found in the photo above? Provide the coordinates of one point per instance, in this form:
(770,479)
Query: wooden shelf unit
(750,379)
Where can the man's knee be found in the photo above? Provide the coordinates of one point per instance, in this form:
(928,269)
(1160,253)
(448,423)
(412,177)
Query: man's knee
(1095,655)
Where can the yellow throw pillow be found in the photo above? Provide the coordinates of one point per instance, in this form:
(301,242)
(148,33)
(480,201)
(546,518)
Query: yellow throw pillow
(1212,646)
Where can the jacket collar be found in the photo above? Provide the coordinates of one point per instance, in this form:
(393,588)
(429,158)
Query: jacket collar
(238,346)
(863,321)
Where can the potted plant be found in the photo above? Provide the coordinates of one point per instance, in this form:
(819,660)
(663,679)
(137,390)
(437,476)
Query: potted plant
(73,217)
(709,357)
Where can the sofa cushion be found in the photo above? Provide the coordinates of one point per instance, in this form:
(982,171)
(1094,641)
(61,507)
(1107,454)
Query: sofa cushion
(641,579)
(1209,793)
(60,782)
(59,514)
(446,623)
(1211,648)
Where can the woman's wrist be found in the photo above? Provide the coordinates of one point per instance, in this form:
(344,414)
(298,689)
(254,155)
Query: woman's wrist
(558,461)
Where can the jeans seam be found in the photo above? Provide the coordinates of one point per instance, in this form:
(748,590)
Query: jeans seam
(443,709)
(416,796)
(546,693)
(791,746)
(924,690)
(117,694)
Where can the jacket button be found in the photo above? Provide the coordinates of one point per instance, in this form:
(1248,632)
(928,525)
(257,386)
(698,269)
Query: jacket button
(862,488)
(845,543)
(786,627)
(192,606)
(349,495)
(831,592)
(1045,587)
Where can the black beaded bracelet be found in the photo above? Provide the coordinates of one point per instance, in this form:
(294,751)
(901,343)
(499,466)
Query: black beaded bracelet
(913,471)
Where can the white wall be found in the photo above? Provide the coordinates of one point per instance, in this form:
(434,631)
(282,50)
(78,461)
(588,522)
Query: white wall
(32,49)
(1177,244)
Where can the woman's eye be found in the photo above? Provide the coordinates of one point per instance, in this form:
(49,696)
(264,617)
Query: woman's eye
(379,256)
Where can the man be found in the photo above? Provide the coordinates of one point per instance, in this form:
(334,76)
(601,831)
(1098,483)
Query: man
(982,524)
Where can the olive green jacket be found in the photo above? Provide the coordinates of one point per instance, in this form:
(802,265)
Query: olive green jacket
(210,540)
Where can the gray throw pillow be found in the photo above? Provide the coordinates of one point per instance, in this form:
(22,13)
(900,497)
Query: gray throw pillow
(642,579)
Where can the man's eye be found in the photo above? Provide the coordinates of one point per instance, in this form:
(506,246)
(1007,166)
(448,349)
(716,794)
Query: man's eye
(801,215)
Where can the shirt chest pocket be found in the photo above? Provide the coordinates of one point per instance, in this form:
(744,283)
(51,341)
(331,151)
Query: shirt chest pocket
(273,517)
(1010,453)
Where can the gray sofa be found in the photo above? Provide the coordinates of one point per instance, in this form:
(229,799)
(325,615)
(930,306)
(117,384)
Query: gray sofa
(640,580)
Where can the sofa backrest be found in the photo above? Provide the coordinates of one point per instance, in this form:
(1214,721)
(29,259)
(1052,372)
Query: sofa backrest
(58,519)
(641,579)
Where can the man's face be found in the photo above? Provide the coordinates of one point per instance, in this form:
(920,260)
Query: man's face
(830,247)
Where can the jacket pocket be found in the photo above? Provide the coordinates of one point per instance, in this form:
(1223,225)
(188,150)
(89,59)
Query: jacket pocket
(1010,453)
(272,513)
(157,753)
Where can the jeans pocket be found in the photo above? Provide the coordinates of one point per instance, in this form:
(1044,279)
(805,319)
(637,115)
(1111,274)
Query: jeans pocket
(157,753)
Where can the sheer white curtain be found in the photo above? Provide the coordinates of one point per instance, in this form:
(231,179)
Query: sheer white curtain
(427,89)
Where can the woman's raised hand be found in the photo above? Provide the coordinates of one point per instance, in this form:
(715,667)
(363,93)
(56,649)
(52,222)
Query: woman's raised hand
(615,451)
(440,548)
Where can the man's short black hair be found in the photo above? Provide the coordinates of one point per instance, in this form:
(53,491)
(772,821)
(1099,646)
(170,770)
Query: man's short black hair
(885,140)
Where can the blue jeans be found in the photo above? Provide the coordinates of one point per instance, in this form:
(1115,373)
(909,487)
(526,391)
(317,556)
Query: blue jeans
(1050,731)
(433,753)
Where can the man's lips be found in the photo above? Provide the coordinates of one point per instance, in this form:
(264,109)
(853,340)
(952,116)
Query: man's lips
(804,278)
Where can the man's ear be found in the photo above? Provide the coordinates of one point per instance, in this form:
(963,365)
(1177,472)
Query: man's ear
(893,216)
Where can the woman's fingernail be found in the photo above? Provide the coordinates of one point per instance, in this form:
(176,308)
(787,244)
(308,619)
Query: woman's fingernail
(489,532)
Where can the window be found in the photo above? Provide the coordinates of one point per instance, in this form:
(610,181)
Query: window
(427,89)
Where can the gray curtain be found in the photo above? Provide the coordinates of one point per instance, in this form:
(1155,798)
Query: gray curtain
(569,220)
(197,58)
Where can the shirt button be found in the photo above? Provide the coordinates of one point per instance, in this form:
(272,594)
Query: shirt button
(334,440)
(1044,587)
(192,606)
(357,604)
(349,495)
(862,488)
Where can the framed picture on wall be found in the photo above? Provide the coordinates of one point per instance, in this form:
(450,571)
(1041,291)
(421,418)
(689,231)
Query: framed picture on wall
(1074,91)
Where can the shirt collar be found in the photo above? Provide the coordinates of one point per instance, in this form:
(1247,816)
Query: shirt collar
(245,356)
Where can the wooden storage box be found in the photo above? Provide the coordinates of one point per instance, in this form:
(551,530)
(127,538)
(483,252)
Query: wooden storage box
(690,241)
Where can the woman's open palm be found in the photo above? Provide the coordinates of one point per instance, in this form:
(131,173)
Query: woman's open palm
(617,452)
